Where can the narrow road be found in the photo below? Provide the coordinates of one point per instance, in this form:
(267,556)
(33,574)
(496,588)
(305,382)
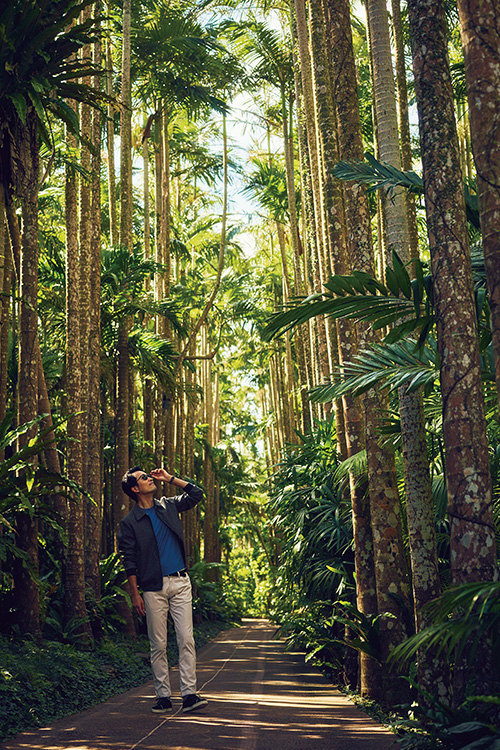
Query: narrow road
(260,698)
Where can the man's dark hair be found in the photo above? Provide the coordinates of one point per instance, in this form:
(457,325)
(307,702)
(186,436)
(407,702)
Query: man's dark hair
(129,481)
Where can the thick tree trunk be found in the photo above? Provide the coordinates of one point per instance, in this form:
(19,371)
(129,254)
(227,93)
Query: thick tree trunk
(472,540)
(481,43)
(472,533)
(390,570)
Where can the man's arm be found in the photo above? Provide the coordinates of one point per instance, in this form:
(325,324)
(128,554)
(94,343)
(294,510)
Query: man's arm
(137,600)
(192,494)
(127,545)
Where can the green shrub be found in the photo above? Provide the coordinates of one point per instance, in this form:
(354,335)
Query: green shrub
(41,683)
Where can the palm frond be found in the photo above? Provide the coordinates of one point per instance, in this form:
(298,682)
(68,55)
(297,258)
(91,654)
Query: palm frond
(465,616)
(389,366)
(361,297)
(380,175)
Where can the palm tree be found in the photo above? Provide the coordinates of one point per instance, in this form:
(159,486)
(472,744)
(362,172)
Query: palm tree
(37,73)
(481,45)
(418,491)
(469,484)
(123,396)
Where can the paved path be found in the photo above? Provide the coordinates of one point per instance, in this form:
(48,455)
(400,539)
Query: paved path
(260,698)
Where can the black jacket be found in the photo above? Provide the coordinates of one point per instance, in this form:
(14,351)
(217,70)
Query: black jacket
(137,541)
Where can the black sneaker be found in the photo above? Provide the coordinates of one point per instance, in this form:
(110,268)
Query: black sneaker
(192,702)
(162,705)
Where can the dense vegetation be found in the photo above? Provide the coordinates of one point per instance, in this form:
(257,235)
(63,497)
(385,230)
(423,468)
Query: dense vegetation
(228,247)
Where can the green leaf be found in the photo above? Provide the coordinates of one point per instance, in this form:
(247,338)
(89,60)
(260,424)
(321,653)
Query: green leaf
(37,103)
(20,104)
(401,275)
(392,281)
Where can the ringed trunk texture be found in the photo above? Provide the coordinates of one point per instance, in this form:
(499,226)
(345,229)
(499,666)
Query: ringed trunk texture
(384,99)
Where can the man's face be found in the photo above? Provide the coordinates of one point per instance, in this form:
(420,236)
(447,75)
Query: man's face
(145,482)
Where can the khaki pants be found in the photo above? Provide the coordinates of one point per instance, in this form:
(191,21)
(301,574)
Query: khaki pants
(175,597)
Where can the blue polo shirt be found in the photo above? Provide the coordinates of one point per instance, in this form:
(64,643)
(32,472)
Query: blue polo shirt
(168,545)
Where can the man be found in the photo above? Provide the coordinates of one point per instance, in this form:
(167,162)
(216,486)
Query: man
(152,543)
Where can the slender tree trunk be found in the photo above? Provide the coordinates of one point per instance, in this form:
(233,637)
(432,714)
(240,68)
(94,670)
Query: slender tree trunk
(25,177)
(126,207)
(210,518)
(121,504)
(110,134)
(404,124)
(84,228)
(94,477)
(354,423)
(74,569)
(190,519)
(5,289)
(317,237)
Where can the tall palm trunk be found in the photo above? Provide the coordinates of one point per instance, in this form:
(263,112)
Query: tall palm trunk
(84,228)
(189,519)
(467,466)
(121,503)
(404,123)
(74,570)
(110,144)
(297,273)
(317,236)
(94,422)
(418,491)
(5,289)
(210,519)
(473,552)
(481,43)
(25,178)
(384,505)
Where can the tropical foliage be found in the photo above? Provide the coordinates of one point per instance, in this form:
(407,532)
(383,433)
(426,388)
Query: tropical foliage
(282,294)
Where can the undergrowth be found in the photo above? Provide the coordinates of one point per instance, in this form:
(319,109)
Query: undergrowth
(41,683)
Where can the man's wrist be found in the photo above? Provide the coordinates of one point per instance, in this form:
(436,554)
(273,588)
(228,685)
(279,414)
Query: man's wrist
(170,481)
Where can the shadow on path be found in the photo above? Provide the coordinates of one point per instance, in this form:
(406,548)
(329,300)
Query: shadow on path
(260,698)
